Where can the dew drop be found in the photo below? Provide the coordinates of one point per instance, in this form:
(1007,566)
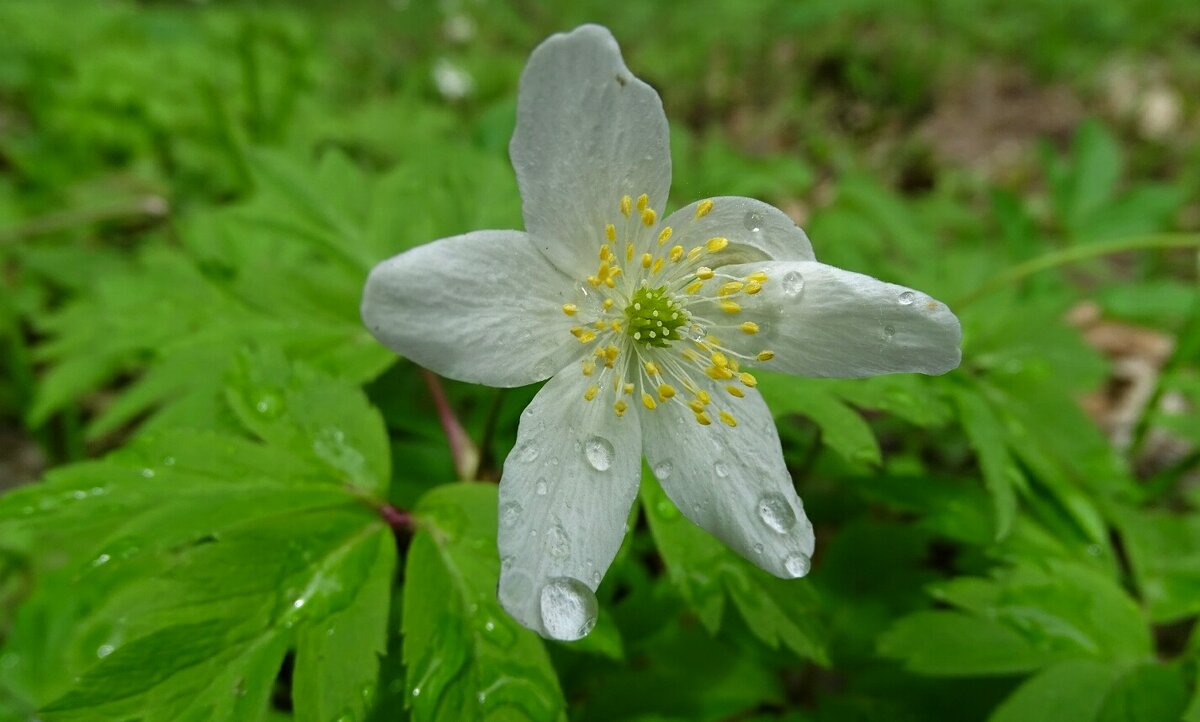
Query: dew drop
(558,542)
(599,453)
(509,514)
(695,332)
(596,579)
(101,560)
(528,453)
(906,298)
(105,650)
(793,283)
(776,512)
(753,221)
(568,608)
(416,692)
(79,494)
(269,405)
(797,565)
(663,469)
(889,332)
(721,469)
(147,473)
(541,487)
(758,548)
(667,510)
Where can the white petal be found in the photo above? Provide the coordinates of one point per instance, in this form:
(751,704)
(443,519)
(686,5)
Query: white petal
(732,481)
(565,497)
(823,321)
(484,307)
(755,230)
(587,133)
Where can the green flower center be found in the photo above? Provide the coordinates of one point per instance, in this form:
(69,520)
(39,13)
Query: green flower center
(653,318)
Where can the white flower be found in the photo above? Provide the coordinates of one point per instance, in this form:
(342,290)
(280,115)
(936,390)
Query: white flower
(647,327)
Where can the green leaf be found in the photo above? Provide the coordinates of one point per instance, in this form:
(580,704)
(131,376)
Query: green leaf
(777,611)
(842,428)
(1071,690)
(466,657)
(1000,473)
(1096,168)
(320,418)
(337,663)
(951,644)
(1164,550)
(174,575)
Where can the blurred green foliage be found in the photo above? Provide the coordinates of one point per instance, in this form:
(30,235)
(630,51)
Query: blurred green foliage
(192,194)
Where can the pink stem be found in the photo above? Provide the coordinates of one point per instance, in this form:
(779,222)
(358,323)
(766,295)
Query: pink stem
(465,455)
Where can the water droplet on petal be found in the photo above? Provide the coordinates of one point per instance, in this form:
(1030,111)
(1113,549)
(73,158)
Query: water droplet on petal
(695,332)
(528,452)
(793,283)
(595,579)
(906,298)
(888,332)
(776,512)
(758,548)
(753,221)
(558,543)
(599,453)
(568,608)
(541,488)
(721,469)
(797,565)
(663,469)
(509,514)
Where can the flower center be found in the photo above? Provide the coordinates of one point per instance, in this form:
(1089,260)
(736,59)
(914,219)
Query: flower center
(658,319)
(653,317)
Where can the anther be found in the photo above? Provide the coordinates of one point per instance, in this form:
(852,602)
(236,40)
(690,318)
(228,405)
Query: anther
(765,355)
(716,244)
(728,289)
(753,287)
(647,259)
(610,232)
(626,206)
(702,419)
(569,309)
(676,253)
(591,392)
(648,217)
(703,208)
(620,407)
(666,391)
(651,368)
(664,235)
(749,327)
(730,307)
(759,276)
(726,417)
(748,379)
(589,367)
(648,401)
(704,273)
(643,199)
(695,253)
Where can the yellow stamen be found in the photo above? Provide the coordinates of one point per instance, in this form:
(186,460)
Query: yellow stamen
(610,232)
(704,273)
(702,419)
(626,205)
(589,367)
(749,327)
(703,207)
(569,309)
(587,337)
(664,235)
(608,303)
(648,217)
(735,391)
(748,379)
(676,253)
(759,276)
(728,289)
(765,355)
(703,397)
(643,199)
(628,252)
(651,368)
(648,401)
(716,244)
(628,388)
(658,264)
(727,418)
(647,259)
(666,391)
(620,407)
(696,406)
(730,307)
(695,253)
(591,392)
(694,287)
(753,287)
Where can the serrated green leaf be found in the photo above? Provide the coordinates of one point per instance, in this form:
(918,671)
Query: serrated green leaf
(1071,690)
(1164,550)
(466,658)
(949,644)
(1000,474)
(842,428)
(777,611)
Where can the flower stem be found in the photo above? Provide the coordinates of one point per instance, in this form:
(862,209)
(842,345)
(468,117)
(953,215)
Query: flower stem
(1074,254)
(466,456)
(149,207)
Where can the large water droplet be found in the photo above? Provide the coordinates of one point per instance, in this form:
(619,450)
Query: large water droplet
(105,650)
(558,543)
(695,332)
(541,488)
(509,514)
(568,609)
(599,453)
(793,283)
(663,469)
(797,565)
(776,512)
(721,469)
(906,298)
(753,221)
